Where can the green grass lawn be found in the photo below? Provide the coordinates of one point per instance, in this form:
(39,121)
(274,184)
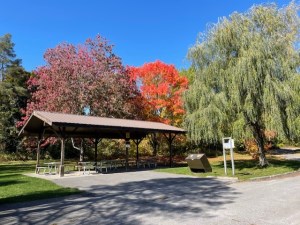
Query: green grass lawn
(244,169)
(16,187)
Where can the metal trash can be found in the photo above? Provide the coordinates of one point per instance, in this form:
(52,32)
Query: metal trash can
(198,163)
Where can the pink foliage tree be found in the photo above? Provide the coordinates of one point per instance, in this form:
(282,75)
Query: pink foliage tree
(85,78)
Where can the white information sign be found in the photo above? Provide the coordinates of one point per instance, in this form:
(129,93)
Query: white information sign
(228,144)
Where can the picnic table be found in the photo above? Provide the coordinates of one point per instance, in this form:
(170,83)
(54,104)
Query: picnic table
(109,165)
(51,166)
(147,162)
(86,166)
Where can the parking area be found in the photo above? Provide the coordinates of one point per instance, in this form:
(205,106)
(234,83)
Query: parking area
(147,197)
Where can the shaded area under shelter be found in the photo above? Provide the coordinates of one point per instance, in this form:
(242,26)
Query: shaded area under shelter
(49,124)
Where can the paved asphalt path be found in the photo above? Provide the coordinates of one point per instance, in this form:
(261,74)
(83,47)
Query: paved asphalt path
(147,197)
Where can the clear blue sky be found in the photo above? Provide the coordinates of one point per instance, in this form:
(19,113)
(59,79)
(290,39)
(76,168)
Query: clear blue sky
(141,30)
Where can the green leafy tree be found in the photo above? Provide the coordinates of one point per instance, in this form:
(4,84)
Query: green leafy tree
(13,94)
(246,77)
(188,73)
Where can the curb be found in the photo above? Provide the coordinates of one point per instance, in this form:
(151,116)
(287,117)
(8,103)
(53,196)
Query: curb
(283,175)
(232,179)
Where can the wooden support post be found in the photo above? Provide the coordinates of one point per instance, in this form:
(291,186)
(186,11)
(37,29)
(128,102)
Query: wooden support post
(155,144)
(96,151)
(224,158)
(137,142)
(127,146)
(171,150)
(62,158)
(38,152)
(137,153)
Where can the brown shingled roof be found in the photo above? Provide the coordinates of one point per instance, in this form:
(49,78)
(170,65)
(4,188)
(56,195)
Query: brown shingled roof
(91,126)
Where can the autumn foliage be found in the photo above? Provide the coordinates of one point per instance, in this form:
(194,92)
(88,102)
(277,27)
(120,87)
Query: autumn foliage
(161,87)
(85,78)
(252,148)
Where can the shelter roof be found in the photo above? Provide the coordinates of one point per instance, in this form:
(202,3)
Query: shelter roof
(70,125)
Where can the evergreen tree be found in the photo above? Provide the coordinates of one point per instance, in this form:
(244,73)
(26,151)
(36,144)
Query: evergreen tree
(13,94)
(7,54)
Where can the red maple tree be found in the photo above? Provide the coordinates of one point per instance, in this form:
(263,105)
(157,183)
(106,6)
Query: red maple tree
(161,87)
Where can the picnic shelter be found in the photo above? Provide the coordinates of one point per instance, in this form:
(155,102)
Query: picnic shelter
(62,126)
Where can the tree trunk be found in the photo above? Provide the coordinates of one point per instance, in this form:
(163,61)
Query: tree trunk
(81,155)
(262,157)
(80,149)
(259,138)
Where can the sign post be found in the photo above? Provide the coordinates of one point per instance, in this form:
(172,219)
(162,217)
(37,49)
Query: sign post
(228,144)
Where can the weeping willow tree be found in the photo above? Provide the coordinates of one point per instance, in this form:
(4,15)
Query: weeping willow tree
(246,78)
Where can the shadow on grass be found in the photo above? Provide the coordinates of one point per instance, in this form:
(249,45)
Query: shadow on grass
(239,164)
(294,165)
(253,164)
(249,169)
(10,182)
(17,168)
(9,176)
